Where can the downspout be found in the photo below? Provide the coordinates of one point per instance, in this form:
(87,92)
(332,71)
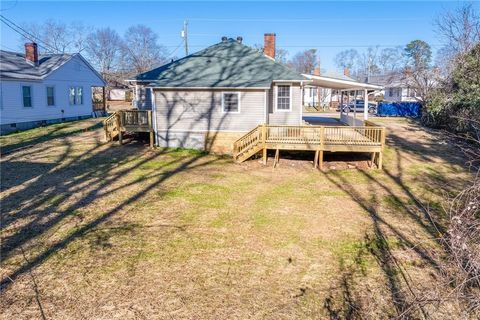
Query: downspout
(154,116)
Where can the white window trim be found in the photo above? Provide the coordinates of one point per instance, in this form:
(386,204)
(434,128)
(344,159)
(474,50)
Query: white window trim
(74,95)
(54,95)
(31,94)
(223,101)
(77,95)
(276,98)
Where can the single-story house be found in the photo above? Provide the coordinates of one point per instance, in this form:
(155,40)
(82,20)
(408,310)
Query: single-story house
(41,89)
(396,87)
(210,98)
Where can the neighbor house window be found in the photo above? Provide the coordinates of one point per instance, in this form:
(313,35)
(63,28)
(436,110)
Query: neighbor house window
(27,96)
(283,97)
(50,96)
(75,95)
(79,97)
(71,95)
(231,102)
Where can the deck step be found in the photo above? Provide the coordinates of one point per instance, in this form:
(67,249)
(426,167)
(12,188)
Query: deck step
(248,153)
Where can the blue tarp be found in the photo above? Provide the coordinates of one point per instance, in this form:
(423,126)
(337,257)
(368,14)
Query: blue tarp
(399,109)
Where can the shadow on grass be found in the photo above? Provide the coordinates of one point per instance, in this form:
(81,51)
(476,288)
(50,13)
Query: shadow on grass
(407,300)
(54,131)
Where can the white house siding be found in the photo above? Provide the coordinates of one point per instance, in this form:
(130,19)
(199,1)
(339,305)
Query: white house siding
(292,117)
(73,73)
(183,118)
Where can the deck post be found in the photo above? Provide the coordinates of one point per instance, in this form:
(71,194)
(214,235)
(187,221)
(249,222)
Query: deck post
(372,161)
(277,158)
(321,159)
(315,161)
(380,154)
(119,127)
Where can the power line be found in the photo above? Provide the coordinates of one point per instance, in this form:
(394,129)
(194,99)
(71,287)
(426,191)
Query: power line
(174,50)
(24,33)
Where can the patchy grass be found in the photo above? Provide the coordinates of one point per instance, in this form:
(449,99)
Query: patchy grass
(135,233)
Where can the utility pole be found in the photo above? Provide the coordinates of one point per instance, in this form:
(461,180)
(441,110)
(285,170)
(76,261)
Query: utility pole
(185,36)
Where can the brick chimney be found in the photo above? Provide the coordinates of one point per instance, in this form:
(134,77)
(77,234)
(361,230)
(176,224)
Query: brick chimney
(316,71)
(31,52)
(346,72)
(269,45)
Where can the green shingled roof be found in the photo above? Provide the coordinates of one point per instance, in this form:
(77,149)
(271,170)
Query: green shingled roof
(225,64)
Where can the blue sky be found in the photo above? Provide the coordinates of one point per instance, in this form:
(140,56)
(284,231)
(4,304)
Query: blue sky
(327,26)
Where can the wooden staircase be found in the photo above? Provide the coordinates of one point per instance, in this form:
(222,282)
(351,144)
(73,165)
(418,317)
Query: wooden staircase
(111,126)
(128,121)
(249,144)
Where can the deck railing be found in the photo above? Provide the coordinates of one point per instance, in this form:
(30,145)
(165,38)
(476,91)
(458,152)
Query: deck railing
(128,121)
(310,137)
(324,135)
(135,118)
(111,126)
(248,140)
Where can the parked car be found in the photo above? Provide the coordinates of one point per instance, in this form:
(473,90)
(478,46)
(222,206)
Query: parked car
(372,107)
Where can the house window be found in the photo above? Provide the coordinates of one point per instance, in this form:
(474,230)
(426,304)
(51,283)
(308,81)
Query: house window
(27,96)
(71,95)
(75,95)
(231,102)
(50,96)
(283,97)
(79,97)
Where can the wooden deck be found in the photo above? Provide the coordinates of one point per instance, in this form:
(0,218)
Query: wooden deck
(128,121)
(369,138)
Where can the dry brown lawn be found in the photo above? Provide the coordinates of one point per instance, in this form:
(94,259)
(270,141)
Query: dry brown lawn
(101,231)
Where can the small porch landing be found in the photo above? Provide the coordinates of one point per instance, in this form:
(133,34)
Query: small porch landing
(120,122)
(369,138)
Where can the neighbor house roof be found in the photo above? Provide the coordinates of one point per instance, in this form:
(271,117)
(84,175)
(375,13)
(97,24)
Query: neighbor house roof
(394,79)
(228,64)
(14,66)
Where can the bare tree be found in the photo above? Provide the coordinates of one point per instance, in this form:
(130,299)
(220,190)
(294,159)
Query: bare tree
(346,58)
(103,48)
(280,53)
(391,59)
(141,49)
(460,28)
(56,36)
(305,61)
(281,56)
(367,62)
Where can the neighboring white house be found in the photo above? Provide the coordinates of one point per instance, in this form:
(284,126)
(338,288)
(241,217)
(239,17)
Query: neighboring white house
(41,89)
(396,88)
(319,97)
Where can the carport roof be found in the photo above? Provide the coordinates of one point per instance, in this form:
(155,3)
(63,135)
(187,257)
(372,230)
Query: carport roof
(343,83)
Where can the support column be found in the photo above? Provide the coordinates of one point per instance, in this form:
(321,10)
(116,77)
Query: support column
(365,101)
(321,159)
(355,107)
(104,99)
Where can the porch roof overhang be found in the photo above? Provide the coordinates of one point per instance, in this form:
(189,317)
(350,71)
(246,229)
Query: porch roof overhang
(340,84)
